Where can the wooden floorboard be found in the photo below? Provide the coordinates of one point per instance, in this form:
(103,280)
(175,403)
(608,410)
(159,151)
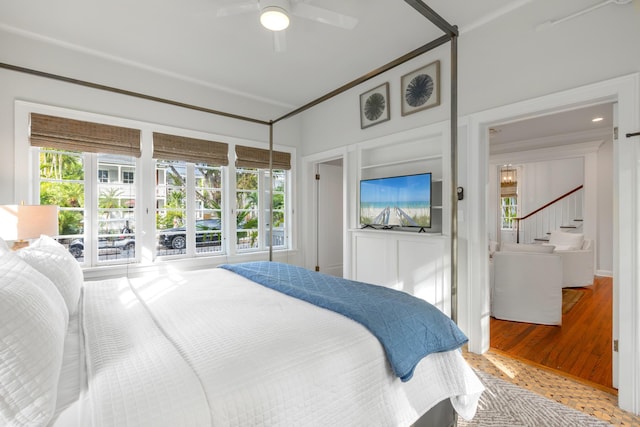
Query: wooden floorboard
(581,347)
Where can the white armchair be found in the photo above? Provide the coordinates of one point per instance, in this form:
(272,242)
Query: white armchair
(577,258)
(527,285)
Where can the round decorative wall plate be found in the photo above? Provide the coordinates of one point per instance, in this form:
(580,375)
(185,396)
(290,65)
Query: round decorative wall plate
(374,106)
(421,88)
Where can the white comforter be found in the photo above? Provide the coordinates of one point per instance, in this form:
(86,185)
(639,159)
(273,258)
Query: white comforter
(209,347)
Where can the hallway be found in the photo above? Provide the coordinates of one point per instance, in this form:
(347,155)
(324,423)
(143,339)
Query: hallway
(580,348)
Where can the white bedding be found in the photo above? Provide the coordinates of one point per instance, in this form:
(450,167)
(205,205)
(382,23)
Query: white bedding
(209,347)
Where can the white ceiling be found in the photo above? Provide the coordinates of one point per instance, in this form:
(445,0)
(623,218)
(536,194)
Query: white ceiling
(186,40)
(551,130)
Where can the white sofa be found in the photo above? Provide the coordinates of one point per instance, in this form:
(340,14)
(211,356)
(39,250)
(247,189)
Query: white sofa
(577,258)
(527,284)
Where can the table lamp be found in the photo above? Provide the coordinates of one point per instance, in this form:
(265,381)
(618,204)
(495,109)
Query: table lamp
(22,222)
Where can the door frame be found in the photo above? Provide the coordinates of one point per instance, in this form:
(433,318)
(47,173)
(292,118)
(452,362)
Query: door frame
(625,91)
(310,201)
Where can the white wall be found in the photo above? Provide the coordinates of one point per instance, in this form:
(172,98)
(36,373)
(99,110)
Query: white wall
(542,182)
(502,63)
(35,54)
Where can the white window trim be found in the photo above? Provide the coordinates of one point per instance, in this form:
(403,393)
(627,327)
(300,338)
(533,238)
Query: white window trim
(145,233)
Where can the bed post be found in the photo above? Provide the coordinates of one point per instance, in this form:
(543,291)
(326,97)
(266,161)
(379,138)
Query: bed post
(454,177)
(270,191)
(451,31)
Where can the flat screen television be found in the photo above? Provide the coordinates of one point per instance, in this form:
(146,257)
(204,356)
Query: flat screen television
(396,201)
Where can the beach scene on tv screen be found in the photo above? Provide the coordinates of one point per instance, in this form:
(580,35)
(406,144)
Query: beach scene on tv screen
(402,201)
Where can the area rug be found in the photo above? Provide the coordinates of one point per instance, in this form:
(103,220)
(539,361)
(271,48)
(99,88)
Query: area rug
(506,405)
(569,298)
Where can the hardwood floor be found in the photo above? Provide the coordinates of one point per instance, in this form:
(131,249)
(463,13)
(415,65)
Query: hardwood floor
(581,347)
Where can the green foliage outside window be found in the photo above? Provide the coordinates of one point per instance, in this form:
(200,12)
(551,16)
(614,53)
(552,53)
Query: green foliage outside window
(509,209)
(62,184)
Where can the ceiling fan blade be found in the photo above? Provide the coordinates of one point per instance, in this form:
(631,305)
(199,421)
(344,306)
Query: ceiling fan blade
(324,16)
(238,8)
(279,41)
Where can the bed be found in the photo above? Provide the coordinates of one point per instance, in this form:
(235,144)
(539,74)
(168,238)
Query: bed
(205,347)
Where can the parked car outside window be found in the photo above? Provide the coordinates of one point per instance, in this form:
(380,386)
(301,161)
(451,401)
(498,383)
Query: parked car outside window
(120,243)
(175,238)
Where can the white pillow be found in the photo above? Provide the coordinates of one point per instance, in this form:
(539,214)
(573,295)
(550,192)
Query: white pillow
(521,247)
(566,241)
(3,246)
(33,322)
(56,262)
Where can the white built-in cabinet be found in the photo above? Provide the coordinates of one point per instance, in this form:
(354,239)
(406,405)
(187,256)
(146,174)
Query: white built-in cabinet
(407,260)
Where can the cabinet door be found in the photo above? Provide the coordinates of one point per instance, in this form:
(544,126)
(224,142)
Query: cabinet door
(421,270)
(374,259)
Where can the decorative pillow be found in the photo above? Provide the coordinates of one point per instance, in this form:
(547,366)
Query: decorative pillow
(33,322)
(566,241)
(493,247)
(3,246)
(521,247)
(56,262)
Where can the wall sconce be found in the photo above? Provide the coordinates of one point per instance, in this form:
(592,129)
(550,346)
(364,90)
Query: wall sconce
(22,222)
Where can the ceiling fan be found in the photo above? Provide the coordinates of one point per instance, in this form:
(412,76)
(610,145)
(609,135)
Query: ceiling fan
(545,25)
(275,15)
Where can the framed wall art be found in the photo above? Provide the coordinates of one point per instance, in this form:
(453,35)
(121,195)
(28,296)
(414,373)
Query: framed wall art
(374,106)
(421,88)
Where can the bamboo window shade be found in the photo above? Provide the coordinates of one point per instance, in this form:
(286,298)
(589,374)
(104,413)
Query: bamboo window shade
(173,147)
(76,135)
(249,157)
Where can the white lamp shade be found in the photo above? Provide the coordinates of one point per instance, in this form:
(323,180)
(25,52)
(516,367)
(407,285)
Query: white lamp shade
(274,18)
(20,222)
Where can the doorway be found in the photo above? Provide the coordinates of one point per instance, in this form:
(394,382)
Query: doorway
(556,153)
(329,212)
(622,91)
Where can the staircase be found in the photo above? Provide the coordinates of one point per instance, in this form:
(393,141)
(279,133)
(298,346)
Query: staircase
(564,213)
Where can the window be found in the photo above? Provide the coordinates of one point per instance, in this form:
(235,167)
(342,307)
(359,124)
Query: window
(171,207)
(189,180)
(64,181)
(116,211)
(208,192)
(103,176)
(508,197)
(91,171)
(96,217)
(247,208)
(252,198)
(173,190)
(509,210)
(252,212)
(127,177)
(279,211)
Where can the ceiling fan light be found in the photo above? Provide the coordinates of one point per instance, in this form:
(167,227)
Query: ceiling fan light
(274,18)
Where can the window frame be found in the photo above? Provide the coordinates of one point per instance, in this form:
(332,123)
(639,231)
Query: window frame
(504,219)
(26,183)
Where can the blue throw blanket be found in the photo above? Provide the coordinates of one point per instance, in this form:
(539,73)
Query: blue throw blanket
(407,327)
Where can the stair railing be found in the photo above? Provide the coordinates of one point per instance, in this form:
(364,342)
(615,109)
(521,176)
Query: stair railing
(558,217)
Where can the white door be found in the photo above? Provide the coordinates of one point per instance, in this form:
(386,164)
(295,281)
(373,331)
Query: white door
(616,306)
(330,227)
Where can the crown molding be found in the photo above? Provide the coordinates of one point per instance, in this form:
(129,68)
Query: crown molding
(553,141)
